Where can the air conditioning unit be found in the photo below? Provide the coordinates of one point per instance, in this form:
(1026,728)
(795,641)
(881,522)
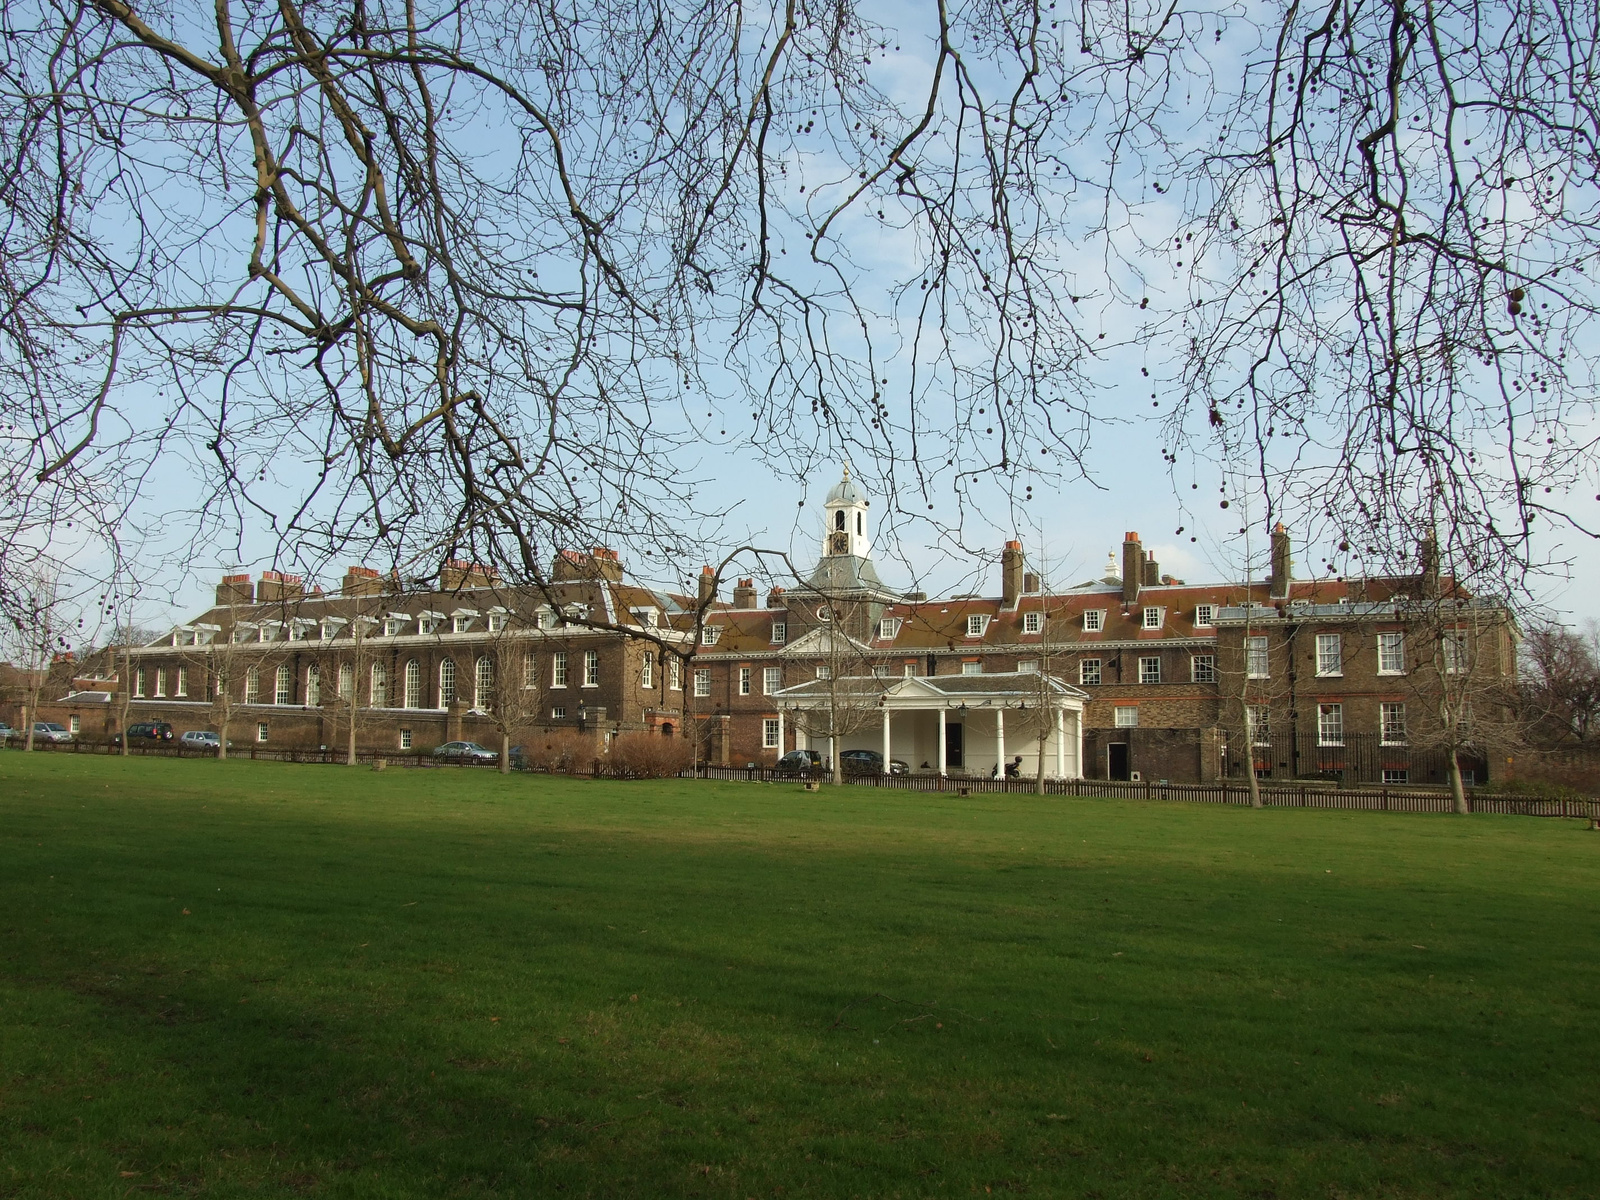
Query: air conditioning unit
(1135,777)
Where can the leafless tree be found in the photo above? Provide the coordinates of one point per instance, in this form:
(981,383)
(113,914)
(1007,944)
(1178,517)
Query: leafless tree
(1560,684)
(34,632)
(487,269)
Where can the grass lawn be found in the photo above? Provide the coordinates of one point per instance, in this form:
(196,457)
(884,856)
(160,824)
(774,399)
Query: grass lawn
(259,979)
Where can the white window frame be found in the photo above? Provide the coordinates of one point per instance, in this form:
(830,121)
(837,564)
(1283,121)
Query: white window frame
(495,623)
(411,684)
(1396,776)
(702,681)
(1150,668)
(74,724)
(558,669)
(346,685)
(447,682)
(771,680)
(161,683)
(1153,617)
(746,676)
(1330,655)
(591,668)
(138,683)
(675,674)
(824,671)
(1032,622)
(252,686)
(1090,672)
(1330,724)
(1453,657)
(558,712)
(710,635)
(647,670)
(1392,723)
(1202,668)
(769,733)
(313,685)
(1028,666)
(976,624)
(483,684)
(1257,657)
(888,629)
(780,632)
(1094,620)
(1392,653)
(1125,716)
(405,739)
(261,731)
(1204,616)
(392,626)
(972,668)
(378,685)
(283,685)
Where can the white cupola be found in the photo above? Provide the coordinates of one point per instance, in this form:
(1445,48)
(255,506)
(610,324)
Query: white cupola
(846,510)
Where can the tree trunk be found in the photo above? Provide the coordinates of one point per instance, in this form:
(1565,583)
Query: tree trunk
(833,760)
(1458,791)
(1250,755)
(350,750)
(1038,775)
(222,735)
(505,753)
(27,725)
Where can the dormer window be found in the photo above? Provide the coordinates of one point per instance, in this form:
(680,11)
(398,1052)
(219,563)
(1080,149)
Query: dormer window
(429,622)
(496,622)
(645,617)
(976,625)
(1202,615)
(1032,622)
(1094,620)
(392,626)
(889,628)
(1153,617)
(710,634)
(780,632)
(297,631)
(460,624)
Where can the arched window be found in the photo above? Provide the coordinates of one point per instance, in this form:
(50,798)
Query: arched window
(313,685)
(347,681)
(413,684)
(283,690)
(838,519)
(379,695)
(483,684)
(252,686)
(447,683)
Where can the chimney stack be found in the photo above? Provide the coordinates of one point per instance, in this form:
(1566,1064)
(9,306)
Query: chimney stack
(1428,555)
(708,586)
(1011,575)
(775,598)
(1132,566)
(1152,570)
(362,581)
(235,589)
(598,563)
(1030,583)
(1282,564)
(744,594)
(275,585)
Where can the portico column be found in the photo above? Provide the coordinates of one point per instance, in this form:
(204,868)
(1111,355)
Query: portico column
(1061,743)
(886,739)
(941,742)
(1000,739)
(780,731)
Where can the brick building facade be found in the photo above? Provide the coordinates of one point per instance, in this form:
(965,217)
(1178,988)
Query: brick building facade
(1164,669)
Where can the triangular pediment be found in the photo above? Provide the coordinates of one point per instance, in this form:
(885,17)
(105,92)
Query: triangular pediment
(824,642)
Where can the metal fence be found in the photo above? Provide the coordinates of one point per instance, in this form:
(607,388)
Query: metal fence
(1383,799)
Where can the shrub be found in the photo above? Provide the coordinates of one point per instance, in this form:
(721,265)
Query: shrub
(565,750)
(647,756)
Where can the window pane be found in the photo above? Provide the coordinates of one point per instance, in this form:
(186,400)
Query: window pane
(1330,659)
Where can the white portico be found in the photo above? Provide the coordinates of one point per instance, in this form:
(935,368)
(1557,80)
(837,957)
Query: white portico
(972,725)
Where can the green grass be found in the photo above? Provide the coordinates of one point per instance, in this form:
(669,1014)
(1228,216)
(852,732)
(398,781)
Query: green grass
(253,979)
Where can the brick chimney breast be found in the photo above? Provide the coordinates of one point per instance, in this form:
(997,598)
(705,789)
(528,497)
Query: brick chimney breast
(1132,566)
(1012,562)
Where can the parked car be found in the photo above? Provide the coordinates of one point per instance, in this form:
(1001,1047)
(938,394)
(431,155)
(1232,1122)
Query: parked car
(799,763)
(465,752)
(869,762)
(49,731)
(202,739)
(146,733)
(7,733)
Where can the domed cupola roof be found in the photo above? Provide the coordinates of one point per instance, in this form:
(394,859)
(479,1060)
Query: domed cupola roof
(846,491)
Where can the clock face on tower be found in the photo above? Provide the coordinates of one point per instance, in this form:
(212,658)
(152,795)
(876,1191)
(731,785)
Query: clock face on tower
(839,543)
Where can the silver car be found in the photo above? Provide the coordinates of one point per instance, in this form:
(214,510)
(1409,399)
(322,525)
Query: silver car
(49,731)
(201,739)
(465,752)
